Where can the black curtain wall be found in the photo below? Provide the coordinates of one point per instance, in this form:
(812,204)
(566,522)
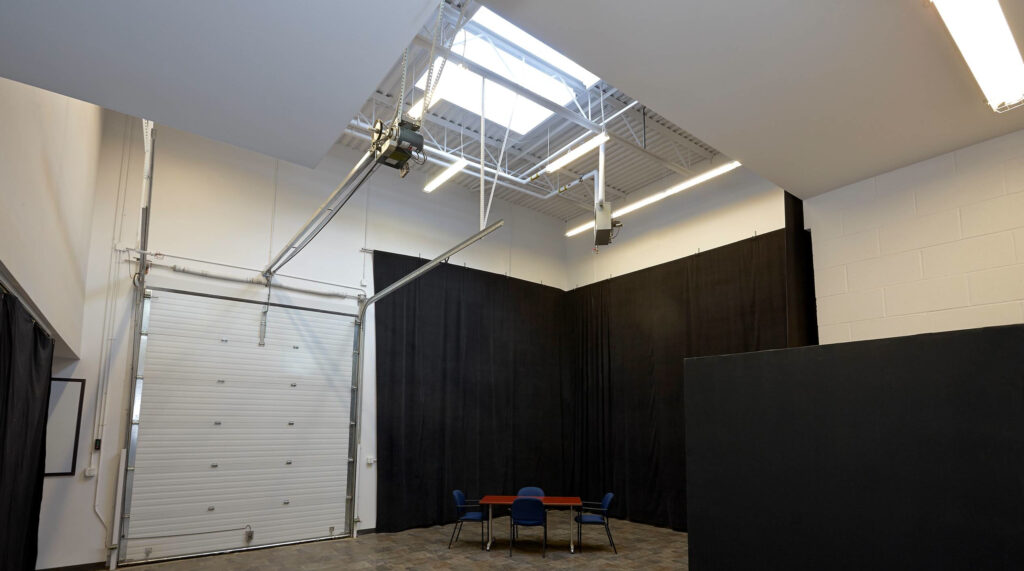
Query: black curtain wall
(471,390)
(487,384)
(26,358)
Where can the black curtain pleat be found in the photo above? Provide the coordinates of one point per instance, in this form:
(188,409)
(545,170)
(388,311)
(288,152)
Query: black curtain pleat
(470,393)
(487,383)
(26,359)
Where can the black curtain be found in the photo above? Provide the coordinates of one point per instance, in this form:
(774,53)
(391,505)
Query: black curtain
(469,390)
(26,358)
(486,383)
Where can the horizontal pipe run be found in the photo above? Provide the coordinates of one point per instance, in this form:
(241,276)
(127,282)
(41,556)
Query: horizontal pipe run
(250,301)
(256,280)
(357,129)
(158,255)
(537,167)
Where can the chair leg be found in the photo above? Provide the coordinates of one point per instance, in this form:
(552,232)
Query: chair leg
(579,536)
(608,530)
(544,549)
(511,537)
(452,539)
(459,532)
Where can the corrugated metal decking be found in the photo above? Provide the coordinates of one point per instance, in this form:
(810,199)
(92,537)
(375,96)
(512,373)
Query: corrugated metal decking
(232,434)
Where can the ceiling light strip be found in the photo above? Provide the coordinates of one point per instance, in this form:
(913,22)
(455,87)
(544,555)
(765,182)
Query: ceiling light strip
(446,174)
(576,153)
(686,184)
(983,35)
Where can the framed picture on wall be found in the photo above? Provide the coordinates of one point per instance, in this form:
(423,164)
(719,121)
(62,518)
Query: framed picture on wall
(63,426)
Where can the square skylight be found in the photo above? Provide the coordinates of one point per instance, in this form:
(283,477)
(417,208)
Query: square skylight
(461,87)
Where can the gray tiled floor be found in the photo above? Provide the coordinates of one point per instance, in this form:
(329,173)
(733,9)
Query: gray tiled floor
(640,547)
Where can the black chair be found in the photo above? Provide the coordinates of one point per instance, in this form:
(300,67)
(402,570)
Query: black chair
(597,516)
(463,508)
(527,512)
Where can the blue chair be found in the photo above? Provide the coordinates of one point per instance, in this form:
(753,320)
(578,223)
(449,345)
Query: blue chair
(527,512)
(464,509)
(597,516)
(531,491)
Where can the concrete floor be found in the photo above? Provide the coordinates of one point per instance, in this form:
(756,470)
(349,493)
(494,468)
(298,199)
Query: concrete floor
(640,546)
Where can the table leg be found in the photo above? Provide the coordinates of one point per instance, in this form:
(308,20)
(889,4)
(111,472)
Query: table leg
(572,548)
(490,524)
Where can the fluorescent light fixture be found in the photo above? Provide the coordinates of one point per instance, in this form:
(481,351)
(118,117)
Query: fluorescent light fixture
(446,174)
(576,153)
(980,30)
(686,184)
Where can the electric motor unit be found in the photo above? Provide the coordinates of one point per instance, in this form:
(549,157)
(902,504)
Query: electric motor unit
(394,146)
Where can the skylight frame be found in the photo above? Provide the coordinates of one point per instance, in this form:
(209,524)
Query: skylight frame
(492,50)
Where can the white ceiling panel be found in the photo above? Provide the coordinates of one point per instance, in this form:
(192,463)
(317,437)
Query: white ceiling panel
(280,78)
(810,94)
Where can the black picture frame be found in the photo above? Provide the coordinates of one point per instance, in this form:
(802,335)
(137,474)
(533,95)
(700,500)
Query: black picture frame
(78,425)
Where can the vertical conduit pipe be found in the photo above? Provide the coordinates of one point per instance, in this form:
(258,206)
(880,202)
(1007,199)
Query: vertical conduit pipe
(483,177)
(360,346)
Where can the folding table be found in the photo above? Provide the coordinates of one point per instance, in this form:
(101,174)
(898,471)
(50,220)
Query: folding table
(549,501)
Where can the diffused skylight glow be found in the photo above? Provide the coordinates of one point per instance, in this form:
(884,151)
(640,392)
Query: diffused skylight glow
(510,32)
(460,86)
(980,30)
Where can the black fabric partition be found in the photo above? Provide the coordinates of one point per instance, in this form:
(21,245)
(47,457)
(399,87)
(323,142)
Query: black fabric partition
(487,383)
(469,389)
(630,335)
(903,453)
(26,358)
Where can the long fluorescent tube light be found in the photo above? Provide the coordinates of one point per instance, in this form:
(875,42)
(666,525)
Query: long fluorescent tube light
(445,175)
(688,183)
(980,30)
(576,153)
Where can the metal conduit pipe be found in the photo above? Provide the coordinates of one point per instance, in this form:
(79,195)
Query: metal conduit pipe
(577,181)
(354,129)
(257,280)
(536,168)
(360,342)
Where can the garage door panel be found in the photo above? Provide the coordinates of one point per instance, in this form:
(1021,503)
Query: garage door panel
(221,426)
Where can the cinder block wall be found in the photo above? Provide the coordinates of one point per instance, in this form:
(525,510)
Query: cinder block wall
(934,246)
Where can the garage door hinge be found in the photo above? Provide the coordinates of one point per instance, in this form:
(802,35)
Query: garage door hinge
(130,468)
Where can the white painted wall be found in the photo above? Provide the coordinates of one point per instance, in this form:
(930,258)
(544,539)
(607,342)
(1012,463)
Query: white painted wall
(219,203)
(48,157)
(733,207)
(934,246)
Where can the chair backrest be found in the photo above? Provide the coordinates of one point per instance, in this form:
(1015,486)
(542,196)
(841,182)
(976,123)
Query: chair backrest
(460,500)
(528,510)
(607,500)
(531,491)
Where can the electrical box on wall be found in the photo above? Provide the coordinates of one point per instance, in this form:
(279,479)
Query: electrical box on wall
(603,224)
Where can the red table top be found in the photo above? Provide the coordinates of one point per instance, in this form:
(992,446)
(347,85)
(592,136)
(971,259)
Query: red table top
(548,500)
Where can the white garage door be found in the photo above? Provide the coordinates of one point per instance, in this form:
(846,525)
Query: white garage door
(237,445)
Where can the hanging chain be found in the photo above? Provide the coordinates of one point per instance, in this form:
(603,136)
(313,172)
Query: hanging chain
(400,104)
(432,81)
(429,87)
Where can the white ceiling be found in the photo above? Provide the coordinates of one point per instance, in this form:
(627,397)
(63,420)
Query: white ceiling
(810,94)
(280,78)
